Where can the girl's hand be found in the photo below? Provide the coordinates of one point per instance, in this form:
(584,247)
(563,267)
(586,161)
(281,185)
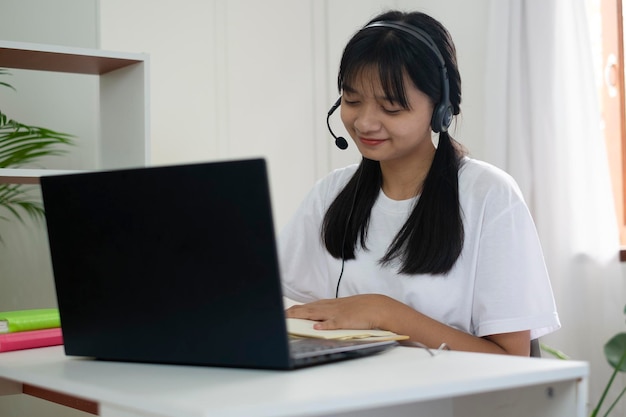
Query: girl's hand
(356,312)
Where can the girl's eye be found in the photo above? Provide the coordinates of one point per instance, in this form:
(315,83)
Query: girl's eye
(391,106)
(392,110)
(350,102)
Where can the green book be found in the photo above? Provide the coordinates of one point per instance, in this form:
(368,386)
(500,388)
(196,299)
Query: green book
(24,320)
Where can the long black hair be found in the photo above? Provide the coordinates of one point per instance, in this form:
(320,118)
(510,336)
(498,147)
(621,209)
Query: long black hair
(431,240)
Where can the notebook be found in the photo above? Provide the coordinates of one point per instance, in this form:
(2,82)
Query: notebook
(175,264)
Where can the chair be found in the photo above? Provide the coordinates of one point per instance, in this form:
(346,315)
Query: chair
(535,349)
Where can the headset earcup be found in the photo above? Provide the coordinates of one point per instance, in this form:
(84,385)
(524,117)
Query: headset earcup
(442,118)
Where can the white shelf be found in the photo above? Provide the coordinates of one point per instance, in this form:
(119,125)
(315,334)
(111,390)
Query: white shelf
(124,99)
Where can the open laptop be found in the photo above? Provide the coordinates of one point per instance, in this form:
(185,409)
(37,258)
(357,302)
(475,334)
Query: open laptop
(174,264)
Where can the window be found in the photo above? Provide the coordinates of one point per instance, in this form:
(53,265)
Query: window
(612,99)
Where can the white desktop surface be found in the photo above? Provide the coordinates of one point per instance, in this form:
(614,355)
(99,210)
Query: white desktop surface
(400,376)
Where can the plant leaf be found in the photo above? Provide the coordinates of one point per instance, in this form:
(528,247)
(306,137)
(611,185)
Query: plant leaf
(7,85)
(554,352)
(5,72)
(14,199)
(615,352)
(21,144)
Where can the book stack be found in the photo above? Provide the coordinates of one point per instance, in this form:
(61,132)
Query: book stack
(27,329)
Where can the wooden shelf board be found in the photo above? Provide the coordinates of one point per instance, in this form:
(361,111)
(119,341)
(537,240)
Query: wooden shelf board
(63,59)
(28,176)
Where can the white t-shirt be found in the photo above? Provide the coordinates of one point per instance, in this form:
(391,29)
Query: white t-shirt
(499,284)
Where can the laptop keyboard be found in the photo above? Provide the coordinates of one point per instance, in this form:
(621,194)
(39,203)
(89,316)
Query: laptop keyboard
(308,351)
(305,345)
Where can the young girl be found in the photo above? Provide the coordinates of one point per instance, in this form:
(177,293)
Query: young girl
(418,239)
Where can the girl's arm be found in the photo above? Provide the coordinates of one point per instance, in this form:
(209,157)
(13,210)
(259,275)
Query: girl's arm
(373,311)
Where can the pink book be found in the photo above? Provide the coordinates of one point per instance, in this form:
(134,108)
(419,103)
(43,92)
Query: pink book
(30,339)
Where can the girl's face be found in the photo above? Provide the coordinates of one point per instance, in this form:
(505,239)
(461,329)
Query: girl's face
(381,128)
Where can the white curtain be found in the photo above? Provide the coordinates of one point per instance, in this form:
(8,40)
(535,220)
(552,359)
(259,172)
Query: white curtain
(544,128)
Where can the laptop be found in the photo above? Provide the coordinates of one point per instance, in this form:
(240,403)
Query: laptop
(175,264)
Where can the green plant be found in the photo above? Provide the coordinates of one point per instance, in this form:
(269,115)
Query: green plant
(20,145)
(615,353)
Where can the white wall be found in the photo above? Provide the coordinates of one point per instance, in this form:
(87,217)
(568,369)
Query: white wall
(245,78)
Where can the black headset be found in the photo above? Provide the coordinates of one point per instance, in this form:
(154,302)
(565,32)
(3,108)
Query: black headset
(443,112)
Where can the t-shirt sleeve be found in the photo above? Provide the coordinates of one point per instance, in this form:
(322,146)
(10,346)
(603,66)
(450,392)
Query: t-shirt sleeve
(512,289)
(304,260)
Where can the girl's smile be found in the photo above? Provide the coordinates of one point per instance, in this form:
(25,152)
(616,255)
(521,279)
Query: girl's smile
(371,142)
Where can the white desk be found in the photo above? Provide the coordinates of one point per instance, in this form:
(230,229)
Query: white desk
(403,381)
